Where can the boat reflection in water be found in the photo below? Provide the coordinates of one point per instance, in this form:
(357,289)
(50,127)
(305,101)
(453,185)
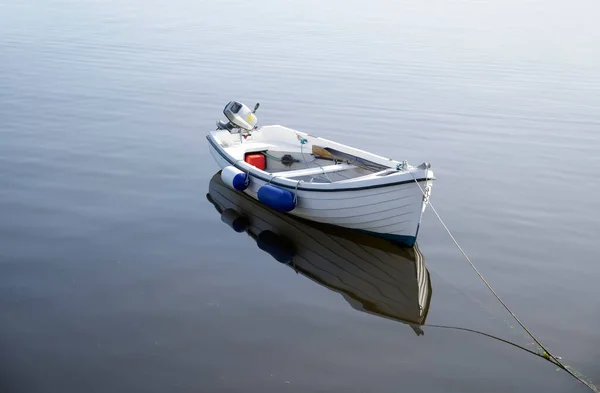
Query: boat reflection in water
(374,275)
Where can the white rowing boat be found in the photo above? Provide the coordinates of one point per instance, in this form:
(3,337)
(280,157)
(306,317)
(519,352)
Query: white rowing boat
(373,275)
(318,179)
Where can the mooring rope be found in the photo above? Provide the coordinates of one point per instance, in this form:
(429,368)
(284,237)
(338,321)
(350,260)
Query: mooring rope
(546,355)
(486,335)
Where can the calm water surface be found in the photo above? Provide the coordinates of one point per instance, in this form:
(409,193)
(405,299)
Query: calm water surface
(117,274)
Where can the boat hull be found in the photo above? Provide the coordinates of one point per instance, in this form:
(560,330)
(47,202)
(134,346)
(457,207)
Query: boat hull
(391,211)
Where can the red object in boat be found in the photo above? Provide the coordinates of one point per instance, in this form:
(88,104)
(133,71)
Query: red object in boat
(257,160)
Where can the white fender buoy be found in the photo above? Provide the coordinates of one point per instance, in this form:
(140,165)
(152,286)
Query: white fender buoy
(235,178)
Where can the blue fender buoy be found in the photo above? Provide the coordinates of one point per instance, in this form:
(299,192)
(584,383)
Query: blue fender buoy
(277,198)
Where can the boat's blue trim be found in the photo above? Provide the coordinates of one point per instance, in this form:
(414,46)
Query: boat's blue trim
(272,180)
(402,240)
(407,241)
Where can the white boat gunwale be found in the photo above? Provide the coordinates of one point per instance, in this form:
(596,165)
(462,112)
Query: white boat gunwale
(252,171)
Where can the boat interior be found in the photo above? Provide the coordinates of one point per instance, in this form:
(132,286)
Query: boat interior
(304,161)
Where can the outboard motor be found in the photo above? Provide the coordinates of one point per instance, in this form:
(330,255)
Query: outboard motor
(239,116)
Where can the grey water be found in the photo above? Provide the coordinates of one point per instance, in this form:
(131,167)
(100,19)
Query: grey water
(117,274)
